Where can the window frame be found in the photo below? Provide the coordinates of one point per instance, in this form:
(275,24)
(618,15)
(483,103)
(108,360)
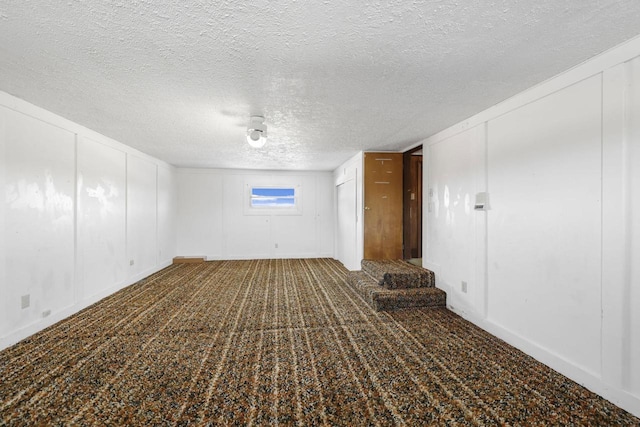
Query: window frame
(250,209)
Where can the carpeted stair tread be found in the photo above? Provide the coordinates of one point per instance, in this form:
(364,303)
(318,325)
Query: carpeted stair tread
(389,299)
(398,274)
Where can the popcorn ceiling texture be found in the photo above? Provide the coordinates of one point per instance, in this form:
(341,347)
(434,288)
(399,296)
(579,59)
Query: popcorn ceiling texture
(179,80)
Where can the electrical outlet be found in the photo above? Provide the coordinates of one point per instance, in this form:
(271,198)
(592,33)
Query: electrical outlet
(131,262)
(25,301)
(46,313)
(464,287)
(276,246)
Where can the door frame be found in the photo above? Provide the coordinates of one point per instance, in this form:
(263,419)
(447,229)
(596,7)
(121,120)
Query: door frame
(406,204)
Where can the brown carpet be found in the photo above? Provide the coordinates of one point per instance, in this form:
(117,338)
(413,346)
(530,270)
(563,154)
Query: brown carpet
(277,342)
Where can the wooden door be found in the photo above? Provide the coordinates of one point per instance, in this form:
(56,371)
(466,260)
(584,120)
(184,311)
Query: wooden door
(413,204)
(383,205)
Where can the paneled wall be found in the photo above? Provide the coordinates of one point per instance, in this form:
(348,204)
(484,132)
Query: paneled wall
(214,221)
(349,230)
(552,266)
(83,216)
(39,219)
(102,215)
(454,231)
(544,231)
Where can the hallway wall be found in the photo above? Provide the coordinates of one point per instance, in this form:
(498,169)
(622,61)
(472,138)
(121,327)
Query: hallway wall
(549,267)
(83,216)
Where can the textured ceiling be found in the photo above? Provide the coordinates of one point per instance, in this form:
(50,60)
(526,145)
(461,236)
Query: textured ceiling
(179,79)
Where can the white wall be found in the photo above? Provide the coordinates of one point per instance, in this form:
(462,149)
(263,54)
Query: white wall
(544,227)
(456,233)
(78,208)
(349,230)
(621,225)
(102,204)
(552,266)
(213,220)
(631,292)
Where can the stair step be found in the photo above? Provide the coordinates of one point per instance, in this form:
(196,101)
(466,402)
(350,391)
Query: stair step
(189,259)
(389,299)
(398,274)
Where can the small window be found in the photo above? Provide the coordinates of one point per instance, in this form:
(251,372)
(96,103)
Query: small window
(273,197)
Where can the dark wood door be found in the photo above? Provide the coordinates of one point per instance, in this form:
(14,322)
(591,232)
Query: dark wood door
(383,205)
(413,204)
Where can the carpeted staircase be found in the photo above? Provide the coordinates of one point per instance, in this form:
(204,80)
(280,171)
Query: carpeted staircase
(392,284)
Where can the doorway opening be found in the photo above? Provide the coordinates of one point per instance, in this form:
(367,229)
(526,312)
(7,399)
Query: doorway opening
(412,205)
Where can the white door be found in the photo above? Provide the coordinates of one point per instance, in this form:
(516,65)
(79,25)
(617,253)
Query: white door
(347,239)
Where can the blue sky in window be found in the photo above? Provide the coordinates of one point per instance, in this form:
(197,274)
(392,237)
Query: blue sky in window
(273,197)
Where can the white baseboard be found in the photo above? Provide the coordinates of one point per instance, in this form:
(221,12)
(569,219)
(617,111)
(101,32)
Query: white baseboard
(622,398)
(22,333)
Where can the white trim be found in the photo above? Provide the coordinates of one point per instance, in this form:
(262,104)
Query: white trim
(625,400)
(227,172)
(250,209)
(23,107)
(20,334)
(608,59)
(610,384)
(11,104)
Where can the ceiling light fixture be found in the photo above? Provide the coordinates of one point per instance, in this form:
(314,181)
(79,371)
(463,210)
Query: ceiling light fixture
(257,132)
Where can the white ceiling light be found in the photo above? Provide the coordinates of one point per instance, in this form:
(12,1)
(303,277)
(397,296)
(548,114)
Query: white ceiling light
(257,132)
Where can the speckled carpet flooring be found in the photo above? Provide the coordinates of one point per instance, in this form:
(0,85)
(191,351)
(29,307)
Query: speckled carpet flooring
(277,342)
